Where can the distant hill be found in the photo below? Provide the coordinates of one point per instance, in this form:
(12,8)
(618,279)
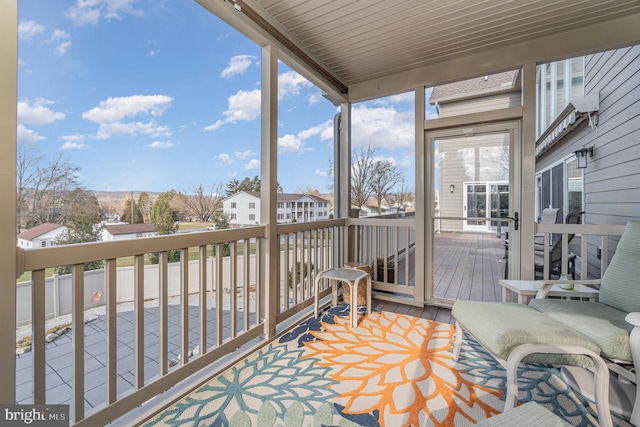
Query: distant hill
(115,199)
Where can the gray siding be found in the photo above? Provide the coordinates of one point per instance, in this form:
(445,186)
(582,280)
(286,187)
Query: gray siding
(485,103)
(612,176)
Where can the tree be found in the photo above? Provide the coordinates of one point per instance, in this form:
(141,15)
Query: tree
(221,220)
(131,212)
(401,197)
(164,216)
(385,176)
(234,186)
(145,205)
(43,188)
(362,167)
(202,204)
(83,226)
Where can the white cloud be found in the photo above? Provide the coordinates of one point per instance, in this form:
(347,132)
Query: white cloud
(160,144)
(28,29)
(225,158)
(243,106)
(296,143)
(253,164)
(74,142)
(115,109)
(38,112)
(290,83)
(153,53)
(89,12)
(322,172)
(107,130)
(291,144)
(314,98)
(237,65)
(28,136)
(61,49)
(111,115)
(242,155)
(382,127)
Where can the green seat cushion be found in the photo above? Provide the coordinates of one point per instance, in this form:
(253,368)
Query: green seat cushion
(501,327)
(528,415)
(603,324)
(620,286)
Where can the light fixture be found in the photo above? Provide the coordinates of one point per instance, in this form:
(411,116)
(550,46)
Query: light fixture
(581,156)
(452,187)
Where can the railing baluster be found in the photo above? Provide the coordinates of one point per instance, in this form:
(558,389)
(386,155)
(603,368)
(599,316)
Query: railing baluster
(138,296)
(111,344)
(184,304)
(38,336)
(604,254)
(247,281)
(219,295)
(284,270)
(202,268)
(77,325)
(294,270)
(234,289)
(407,256)
(163,317)
(584,242)
(259,287)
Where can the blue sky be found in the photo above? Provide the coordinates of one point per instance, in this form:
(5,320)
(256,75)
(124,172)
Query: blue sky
(160,95)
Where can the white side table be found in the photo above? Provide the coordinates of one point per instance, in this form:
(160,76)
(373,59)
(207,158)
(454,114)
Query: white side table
(352,278)
(523,291)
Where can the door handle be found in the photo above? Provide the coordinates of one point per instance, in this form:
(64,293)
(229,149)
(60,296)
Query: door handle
(515,220)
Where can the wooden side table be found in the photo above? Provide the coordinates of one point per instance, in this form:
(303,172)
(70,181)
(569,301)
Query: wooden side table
(523,291)
(352,278)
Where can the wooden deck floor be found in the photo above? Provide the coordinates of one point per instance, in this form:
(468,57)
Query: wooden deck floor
(467,266)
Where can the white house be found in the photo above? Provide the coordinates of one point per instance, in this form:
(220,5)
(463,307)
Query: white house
(128,231)
(243,208)
(40,236)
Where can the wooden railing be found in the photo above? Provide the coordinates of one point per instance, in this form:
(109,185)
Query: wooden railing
(218,270)
(386,246)
(305,250)
(592,247)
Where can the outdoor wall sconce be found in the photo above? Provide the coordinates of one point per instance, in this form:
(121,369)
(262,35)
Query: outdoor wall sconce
(581,156)
(452,187)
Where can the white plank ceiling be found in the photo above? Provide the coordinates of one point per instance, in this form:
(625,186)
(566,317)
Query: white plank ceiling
(360,40)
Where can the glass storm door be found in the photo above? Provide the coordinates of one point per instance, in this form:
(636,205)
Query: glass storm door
(472,210)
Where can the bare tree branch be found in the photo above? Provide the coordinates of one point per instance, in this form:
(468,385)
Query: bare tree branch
(202,204)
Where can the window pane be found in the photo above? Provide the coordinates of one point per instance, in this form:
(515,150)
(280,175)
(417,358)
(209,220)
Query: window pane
(557,183)
(574,187)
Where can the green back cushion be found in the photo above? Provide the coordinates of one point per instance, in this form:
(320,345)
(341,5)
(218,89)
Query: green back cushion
(621,281)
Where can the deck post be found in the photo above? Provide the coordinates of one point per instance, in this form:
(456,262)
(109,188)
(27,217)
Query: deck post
(8,250)
(269,187)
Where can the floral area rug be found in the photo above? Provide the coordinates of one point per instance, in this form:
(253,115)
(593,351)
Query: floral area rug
(392,370)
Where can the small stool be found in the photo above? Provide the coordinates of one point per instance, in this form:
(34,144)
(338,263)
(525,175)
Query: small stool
(352,278)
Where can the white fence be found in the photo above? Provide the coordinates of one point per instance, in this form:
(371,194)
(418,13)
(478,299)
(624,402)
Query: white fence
(58,295)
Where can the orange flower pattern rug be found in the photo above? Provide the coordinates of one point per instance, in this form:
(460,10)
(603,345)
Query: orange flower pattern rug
(392,370)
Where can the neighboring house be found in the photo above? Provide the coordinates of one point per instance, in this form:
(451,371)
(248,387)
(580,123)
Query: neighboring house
(128,231)
(370,210)
(465,188)
(40,236)
(243,208)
